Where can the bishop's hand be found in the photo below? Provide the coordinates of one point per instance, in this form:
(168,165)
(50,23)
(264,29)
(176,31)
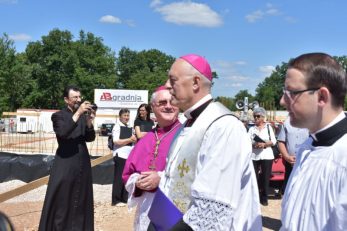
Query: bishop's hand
(148,181)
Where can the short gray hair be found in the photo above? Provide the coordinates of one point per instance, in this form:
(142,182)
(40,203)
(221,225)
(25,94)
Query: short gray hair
(260,111)
(154,94)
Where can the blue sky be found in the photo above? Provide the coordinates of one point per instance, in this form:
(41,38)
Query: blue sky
(243,40)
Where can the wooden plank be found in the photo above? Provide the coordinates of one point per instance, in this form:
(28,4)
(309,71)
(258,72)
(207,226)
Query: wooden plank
(23,189)
(101,159)
(42,181)
(106,116)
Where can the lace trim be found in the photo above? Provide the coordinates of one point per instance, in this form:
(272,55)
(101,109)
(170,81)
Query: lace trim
(207,214)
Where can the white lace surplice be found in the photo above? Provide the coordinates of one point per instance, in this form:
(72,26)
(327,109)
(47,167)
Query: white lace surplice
(206,214)
(316,193)
(224,192)
(142,204)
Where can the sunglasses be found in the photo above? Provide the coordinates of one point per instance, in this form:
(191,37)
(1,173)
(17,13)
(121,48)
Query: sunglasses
(257,116)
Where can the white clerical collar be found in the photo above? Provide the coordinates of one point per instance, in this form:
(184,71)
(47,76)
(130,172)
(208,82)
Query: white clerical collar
(337,119)
(198,104)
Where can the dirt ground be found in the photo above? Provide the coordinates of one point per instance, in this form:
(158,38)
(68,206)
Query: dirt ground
(25,216)
(25,213)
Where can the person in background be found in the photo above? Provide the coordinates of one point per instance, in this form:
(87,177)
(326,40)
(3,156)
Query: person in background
(314,95)
(69,202)
(149,156)
(289,140)
(262,154)
(143,122)
(209,174)
(122,135)
(11,125)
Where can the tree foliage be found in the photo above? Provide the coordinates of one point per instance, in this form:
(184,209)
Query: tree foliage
(269,92)
(58,61)
(144,70)
(14,79)
(242,94)
(227,102)
(36,77)
(7,61)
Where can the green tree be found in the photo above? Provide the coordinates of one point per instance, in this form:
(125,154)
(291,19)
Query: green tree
(57,61)
(227,102)
(343,61)
(269,92)
(7,62)
(21,83)
(144,70)
(242,94)
(14,79)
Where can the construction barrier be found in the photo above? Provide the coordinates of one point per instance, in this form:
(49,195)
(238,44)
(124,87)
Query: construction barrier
(29,168)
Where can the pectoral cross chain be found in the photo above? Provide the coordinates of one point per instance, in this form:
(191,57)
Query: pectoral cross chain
(156,148)
(155,154)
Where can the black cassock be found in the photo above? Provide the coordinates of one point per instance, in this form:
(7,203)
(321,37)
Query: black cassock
(69,198)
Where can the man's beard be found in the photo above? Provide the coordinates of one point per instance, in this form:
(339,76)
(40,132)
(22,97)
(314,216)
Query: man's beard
(76,106)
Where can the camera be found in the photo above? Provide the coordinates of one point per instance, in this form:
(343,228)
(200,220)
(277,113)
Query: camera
(93,106)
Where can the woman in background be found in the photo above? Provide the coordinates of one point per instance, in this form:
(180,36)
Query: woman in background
(263,138)
(143,122)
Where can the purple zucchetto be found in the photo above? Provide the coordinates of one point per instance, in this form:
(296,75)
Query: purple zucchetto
(200,64)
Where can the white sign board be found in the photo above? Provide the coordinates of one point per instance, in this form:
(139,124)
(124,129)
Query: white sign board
(110,98)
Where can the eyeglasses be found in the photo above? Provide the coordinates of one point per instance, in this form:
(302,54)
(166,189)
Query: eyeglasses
(162,103)
(257,116)
(290,94)
(76,97)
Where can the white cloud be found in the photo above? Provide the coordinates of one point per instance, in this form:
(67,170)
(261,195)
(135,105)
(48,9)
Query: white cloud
(272,11)
(110,19)
(267,70)
(130,23)
(189,13)
(227,67)
(155,3)
(237,78)
(20,37)
(256,15)
(228,74)
(262,13)
(234,85)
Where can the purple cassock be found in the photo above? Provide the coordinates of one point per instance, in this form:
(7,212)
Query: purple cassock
(144,156)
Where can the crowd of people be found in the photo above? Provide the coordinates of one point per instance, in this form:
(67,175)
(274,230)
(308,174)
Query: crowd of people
(212,170)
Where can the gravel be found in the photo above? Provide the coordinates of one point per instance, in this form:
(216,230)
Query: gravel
(102,193)
(25,210)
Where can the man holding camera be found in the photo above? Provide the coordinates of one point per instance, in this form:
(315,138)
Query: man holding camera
(69,198)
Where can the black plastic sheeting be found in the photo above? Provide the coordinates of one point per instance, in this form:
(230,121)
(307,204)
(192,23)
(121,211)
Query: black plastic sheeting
(32,167)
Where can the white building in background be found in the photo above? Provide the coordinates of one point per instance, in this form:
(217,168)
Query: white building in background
(109,102)
(29,120)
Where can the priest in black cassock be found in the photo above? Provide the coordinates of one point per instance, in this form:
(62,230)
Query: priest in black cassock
(69,198)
